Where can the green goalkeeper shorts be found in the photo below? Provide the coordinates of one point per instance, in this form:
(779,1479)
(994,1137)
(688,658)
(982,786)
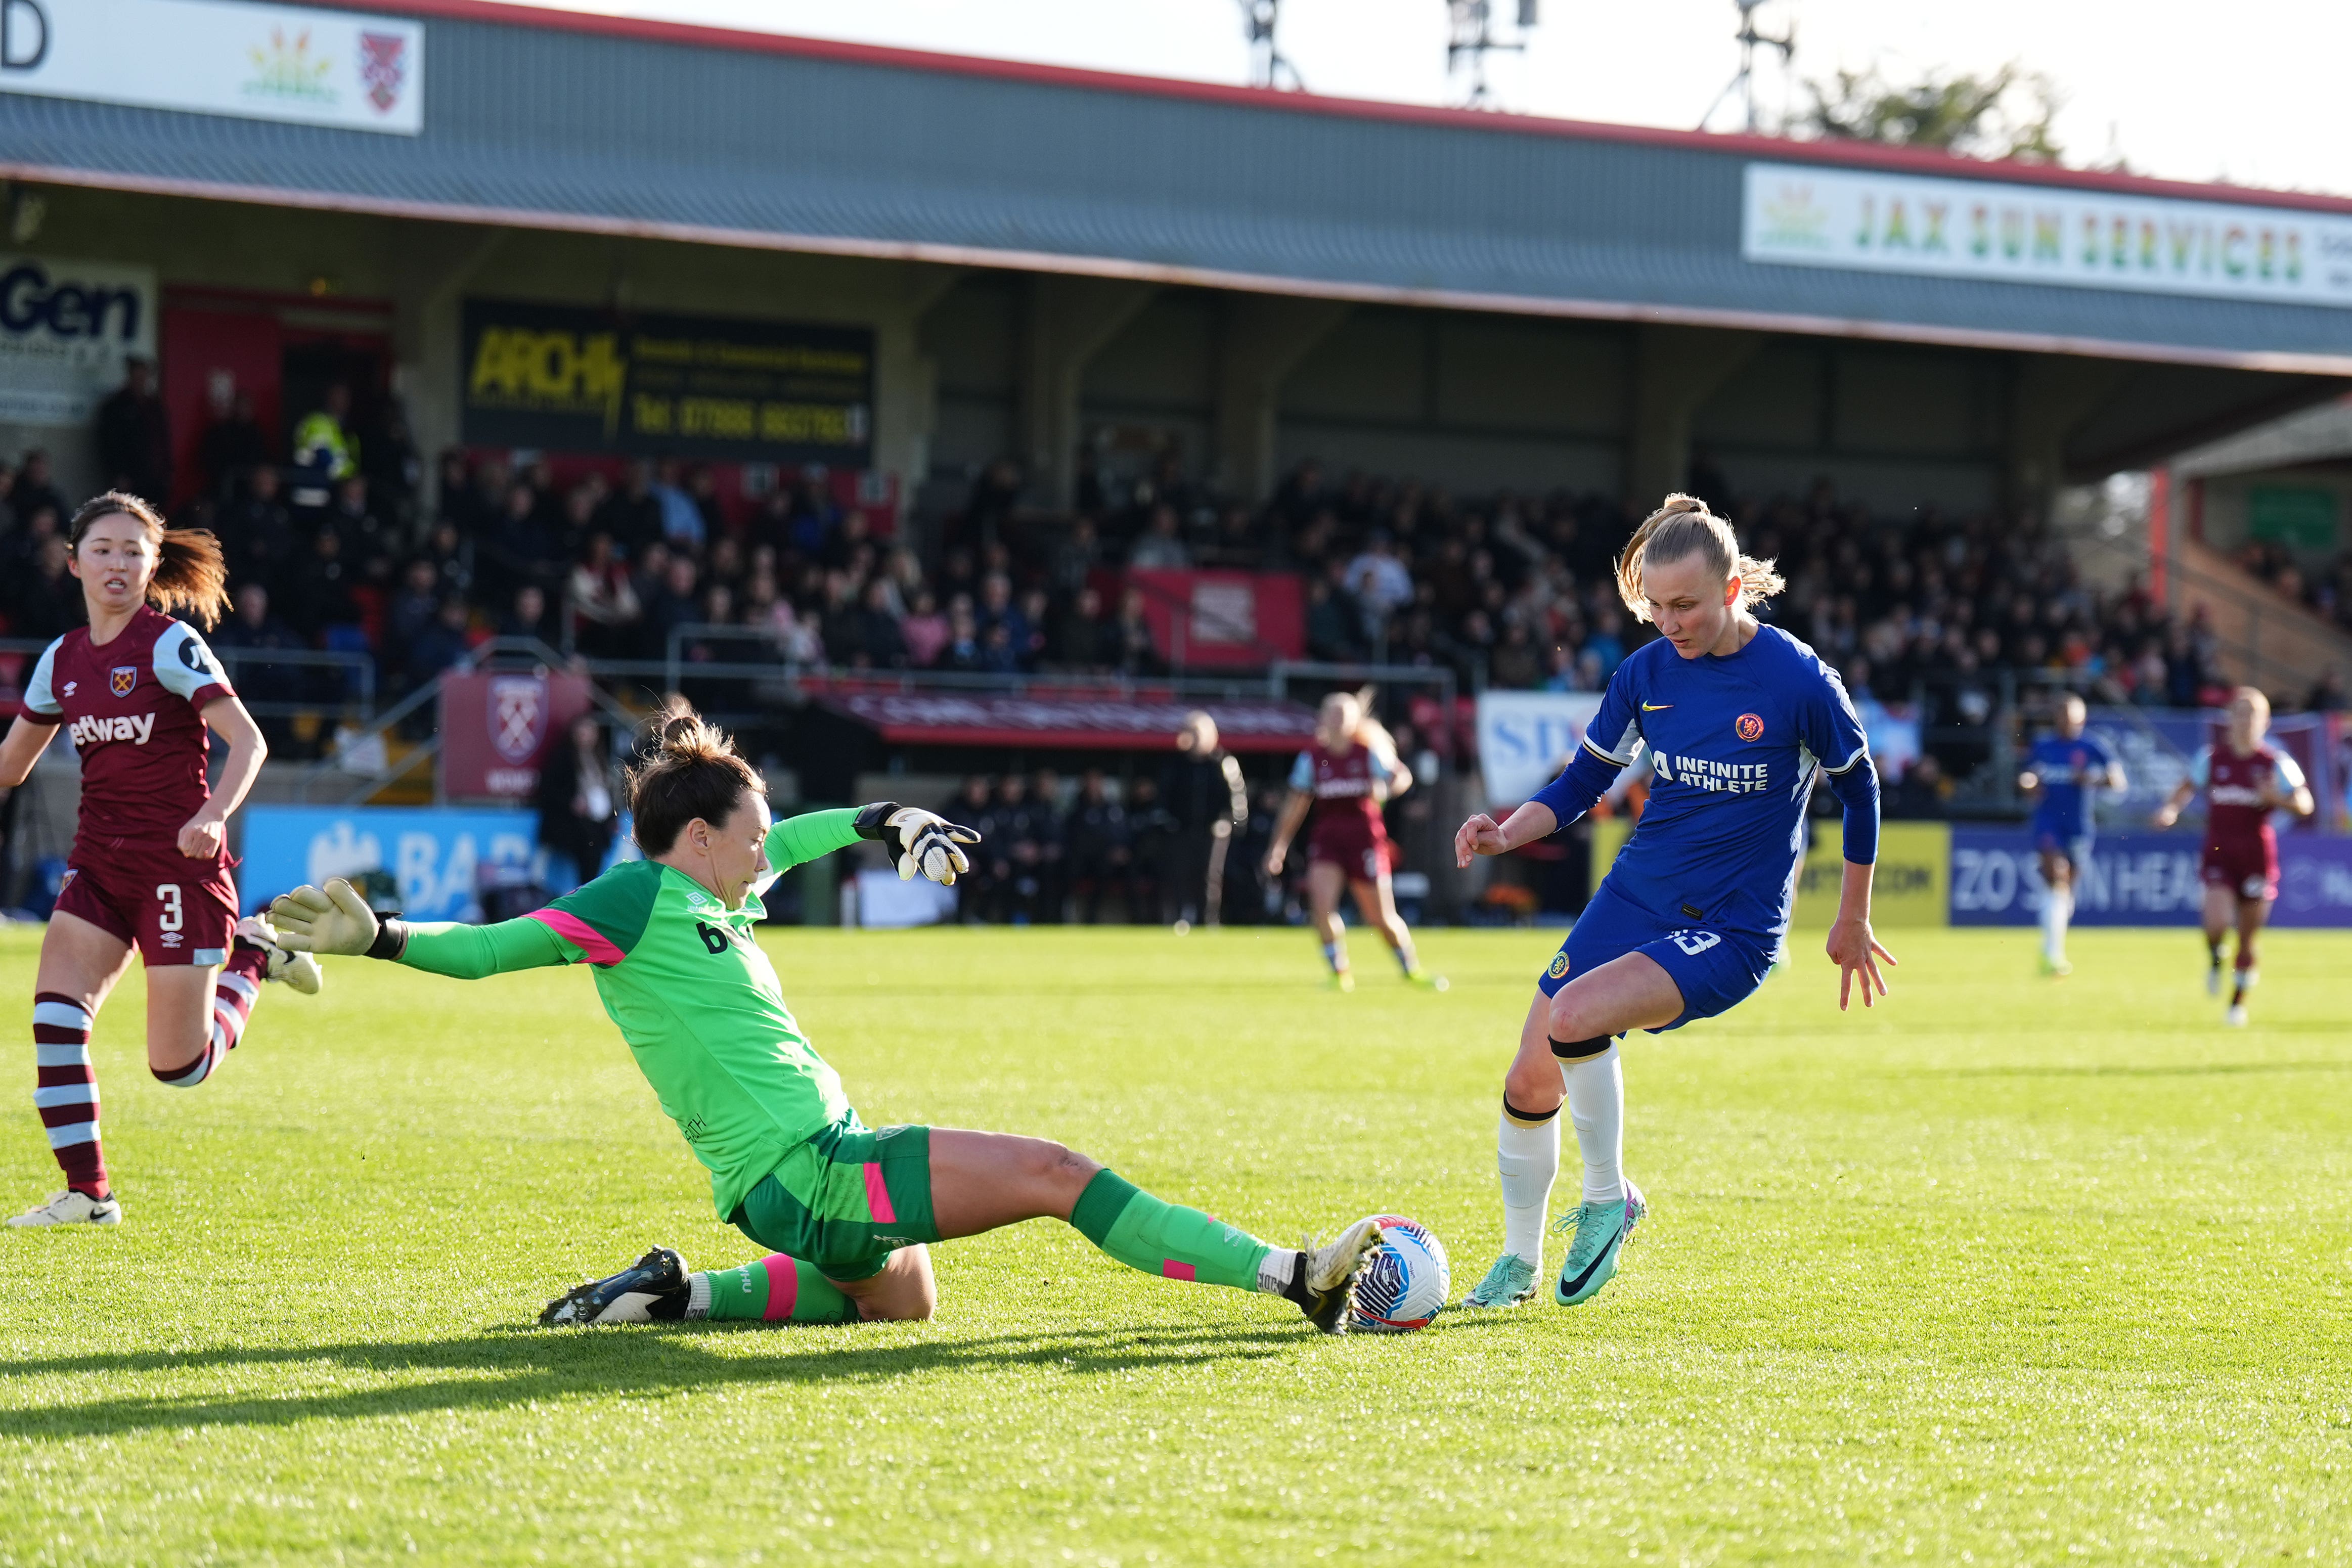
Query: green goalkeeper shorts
(846,1200)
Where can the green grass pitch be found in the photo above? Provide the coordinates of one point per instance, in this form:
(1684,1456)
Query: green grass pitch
(2006,1272)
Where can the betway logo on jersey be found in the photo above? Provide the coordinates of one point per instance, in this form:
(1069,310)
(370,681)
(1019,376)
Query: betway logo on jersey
(135,727)
(1705,773)
(2236,795)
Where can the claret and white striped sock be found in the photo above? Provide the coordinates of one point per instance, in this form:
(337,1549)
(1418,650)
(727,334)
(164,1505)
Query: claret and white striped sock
(234,994)
(65,1089)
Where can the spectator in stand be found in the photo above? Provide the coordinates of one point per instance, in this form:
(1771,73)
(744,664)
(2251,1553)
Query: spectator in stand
(1515,664)
(445,640)
(963,651)
(134,435)
(1080,642)
(674,604)
(1162,544)
(35,491)
(925,631)
(1379,580)
(253,633)
(1028,631)
(323,441)
(1921,794)
(367,543)
(317,588)
(879,644)
(414,605)
(1334,627)
(681,519)
(1053,864)
(47,602)
(631,515)
(1100,857)
(233,444)
(601,602)
(1133,650)
(527,615)
(516,548)
(1152,832)
(575,798)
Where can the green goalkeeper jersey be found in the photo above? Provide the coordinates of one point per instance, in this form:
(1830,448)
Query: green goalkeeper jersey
(683,978)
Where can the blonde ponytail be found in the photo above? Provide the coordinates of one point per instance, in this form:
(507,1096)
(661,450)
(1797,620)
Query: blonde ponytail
(1683,527)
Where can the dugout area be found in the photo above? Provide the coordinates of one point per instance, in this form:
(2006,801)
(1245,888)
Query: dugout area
(1073,269)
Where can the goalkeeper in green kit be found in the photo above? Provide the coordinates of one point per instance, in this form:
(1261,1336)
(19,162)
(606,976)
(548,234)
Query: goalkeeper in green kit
(845,1213)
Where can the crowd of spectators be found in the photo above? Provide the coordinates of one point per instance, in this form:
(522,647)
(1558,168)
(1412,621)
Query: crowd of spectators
(341,548)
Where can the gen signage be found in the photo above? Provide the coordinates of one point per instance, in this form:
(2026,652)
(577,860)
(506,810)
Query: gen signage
(66,327)
(563,379)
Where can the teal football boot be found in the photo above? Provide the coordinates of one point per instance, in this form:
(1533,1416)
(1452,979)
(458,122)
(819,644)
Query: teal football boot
(1599,1231)
(1511,1283)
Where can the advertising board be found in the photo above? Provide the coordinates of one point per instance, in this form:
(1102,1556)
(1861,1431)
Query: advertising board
(342,69)
(66,328)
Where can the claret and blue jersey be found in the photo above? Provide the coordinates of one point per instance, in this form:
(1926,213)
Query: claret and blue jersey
(1707,883)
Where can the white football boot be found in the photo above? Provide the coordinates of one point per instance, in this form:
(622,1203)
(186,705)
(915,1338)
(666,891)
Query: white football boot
(71,1207)
(300,970)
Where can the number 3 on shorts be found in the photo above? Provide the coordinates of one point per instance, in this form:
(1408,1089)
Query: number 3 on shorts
(168,894)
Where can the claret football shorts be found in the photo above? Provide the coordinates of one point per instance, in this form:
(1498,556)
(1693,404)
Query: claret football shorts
(175,910)
(1714,970)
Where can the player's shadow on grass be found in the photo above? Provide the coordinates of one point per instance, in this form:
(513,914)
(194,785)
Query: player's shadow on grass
(506,1367)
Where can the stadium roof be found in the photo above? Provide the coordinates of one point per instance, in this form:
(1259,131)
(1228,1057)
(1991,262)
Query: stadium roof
(563,120)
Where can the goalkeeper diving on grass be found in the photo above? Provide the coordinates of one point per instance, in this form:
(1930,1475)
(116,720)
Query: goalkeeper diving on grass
(845,1213)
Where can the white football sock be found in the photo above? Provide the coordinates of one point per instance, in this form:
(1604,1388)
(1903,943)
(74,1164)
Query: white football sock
(1276,1273)
(1528,1161)
(1596,1103)
(2057,908)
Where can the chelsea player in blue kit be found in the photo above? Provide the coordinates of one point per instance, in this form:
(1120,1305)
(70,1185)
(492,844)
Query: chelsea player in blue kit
(2061,772)
(1738,719)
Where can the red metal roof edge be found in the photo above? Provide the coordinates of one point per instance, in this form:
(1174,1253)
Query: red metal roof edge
(1906,160)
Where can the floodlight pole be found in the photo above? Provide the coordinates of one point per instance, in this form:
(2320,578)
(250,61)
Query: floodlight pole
(1269,66)
(1744,83)
(1472,33)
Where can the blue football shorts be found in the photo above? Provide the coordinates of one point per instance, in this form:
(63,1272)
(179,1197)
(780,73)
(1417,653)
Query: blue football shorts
(2064,838)
(1714,970)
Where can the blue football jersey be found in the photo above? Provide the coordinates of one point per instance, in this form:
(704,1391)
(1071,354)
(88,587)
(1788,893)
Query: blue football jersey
(2064,806)
(1734,743)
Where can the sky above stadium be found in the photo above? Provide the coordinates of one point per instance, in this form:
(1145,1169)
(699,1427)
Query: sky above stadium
(2248,92)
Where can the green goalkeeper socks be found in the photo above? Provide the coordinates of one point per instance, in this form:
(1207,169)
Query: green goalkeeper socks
(1167,1238)
(774,1288)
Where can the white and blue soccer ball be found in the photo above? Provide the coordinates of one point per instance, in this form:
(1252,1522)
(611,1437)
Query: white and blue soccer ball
(1406,1279)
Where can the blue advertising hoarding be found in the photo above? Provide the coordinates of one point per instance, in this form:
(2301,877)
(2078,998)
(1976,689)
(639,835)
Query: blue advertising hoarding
(2138,879)
(437,854)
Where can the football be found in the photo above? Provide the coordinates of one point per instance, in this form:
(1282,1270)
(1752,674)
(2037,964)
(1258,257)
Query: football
(1405,1280)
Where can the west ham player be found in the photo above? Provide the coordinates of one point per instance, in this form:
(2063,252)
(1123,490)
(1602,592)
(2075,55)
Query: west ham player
(2244,781)
(136,691)
(1344,778)
(1738,719)
(842,1213)
(2062,772)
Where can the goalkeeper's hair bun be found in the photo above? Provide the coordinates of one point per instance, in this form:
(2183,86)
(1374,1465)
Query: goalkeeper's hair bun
(686,766)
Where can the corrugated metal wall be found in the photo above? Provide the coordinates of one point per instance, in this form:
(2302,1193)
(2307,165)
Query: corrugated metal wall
(535,120)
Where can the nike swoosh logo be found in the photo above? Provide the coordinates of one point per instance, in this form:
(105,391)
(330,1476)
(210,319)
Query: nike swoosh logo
(1656,707)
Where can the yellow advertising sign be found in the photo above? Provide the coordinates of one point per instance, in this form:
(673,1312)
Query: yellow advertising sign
(1911,887)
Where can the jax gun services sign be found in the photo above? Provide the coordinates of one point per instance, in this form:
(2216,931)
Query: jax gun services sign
(563,379)
(341,69)
(2014,233)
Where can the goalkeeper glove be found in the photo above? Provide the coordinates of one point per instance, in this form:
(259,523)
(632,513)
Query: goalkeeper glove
(337,921)
(919,841)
